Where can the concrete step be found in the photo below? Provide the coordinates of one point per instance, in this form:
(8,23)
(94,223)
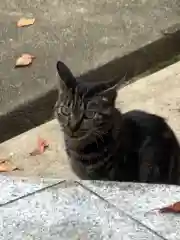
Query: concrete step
(98,40)
(158,93)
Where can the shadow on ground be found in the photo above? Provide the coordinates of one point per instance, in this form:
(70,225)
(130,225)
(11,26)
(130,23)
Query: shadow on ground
(32,114)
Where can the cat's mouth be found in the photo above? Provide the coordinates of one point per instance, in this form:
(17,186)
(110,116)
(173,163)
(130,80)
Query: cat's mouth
(78,135)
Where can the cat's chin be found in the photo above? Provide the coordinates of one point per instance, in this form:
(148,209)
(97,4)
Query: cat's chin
(75,142)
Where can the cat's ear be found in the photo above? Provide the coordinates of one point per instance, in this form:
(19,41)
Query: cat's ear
(113,85)
(109,94)
(111,88)
(66,77)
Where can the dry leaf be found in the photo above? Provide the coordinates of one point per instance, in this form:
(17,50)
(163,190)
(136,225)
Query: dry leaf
(24,60)
(174,208)
(35,152)
(7,166)
(23,22)
(42,146)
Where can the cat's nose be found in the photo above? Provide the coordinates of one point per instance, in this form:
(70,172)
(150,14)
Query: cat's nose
(69,131)
(73,127)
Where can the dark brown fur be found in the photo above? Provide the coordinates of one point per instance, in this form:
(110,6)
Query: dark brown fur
(104,144)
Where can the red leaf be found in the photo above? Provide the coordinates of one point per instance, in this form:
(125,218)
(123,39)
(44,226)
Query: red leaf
(42,145)
(35,152)
(174,208)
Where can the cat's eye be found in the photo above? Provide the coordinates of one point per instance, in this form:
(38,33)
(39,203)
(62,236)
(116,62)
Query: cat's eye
(65,110)
(90,114)
(91,109)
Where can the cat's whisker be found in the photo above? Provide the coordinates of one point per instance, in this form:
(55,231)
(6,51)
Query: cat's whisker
(99,136)
(94,135)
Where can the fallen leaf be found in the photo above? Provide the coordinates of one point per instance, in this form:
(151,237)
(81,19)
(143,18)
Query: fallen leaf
(23,22)
(35,152)
(24,60)
(42,145)
(3,160)
(7,166)
(173,208)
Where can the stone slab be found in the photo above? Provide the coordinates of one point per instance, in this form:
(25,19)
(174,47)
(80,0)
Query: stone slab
(98,40)
(13,188)
(142,202)
(89,210)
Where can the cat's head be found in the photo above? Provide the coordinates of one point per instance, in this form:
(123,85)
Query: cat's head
(84,108)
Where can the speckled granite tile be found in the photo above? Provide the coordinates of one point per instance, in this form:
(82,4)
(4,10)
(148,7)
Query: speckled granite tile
(138,199)
(13,187)
(68,211)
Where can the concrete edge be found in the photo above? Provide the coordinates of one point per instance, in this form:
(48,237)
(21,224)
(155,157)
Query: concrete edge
(40,110)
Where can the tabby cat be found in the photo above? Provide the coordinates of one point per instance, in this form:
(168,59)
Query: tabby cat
(104,144)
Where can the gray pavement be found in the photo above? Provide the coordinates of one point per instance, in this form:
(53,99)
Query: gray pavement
(97,39)
(85,210)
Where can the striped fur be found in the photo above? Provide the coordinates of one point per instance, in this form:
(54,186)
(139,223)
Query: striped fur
(103,144)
